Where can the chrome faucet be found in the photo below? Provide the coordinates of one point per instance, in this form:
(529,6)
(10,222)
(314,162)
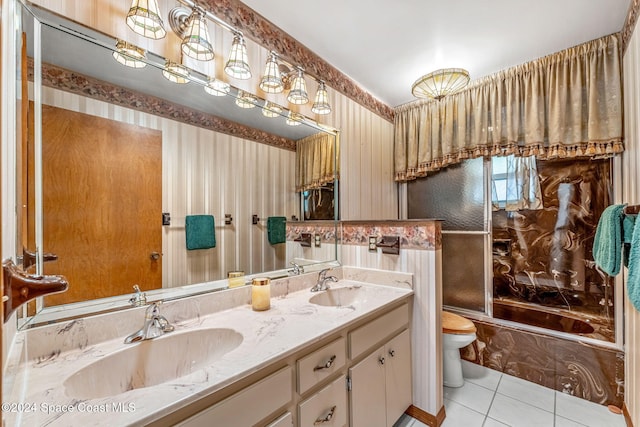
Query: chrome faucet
(154,326)
(321,284)
(297,268)
(138,298)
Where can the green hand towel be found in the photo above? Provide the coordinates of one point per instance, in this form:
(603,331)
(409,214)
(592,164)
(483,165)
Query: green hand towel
(200,232)
(628,224)
(607,245)
(277,229)
(633,279)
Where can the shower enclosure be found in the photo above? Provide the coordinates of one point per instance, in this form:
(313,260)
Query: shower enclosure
(526,278)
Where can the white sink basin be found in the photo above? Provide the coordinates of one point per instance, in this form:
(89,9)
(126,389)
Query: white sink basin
(340,297)
(151,362)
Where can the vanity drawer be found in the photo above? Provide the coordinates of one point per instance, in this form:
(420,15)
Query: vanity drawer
(374,332)
(321,364)
(250,405)
(327,408)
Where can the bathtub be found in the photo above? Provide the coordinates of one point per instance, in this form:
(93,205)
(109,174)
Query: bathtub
(539,316)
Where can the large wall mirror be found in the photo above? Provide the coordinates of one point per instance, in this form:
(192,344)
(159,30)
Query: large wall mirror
(113,161)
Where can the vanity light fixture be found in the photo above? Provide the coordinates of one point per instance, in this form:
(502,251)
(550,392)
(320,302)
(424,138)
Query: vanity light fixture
(217,87)
(321,103)
(195,43)
(272,80)
(246,99)
(298,93)
(144,19)
(440,83)
(129,54)
(271,110)
(238,65)
(176,73)
(294,119)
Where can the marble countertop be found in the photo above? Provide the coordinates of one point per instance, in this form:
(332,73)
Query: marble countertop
(291,324)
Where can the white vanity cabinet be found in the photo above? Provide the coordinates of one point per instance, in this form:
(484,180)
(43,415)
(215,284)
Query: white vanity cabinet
(381,382)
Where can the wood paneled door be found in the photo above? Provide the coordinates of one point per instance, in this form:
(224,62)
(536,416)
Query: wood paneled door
(102,204)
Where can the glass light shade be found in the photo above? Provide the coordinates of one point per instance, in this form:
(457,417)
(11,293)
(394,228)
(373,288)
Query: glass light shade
(246,100)
(176,73)
(144,19)
(129,55)
(272,81)
(238,64)
(195,43)
(217,87)
(271,110)
(440,83)
(298,93)
(294,119)
(321,103)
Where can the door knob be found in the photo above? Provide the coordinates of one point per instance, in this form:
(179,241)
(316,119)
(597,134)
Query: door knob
(155,256)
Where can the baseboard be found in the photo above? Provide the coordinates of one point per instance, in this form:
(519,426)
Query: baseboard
(627,415)
(425,417)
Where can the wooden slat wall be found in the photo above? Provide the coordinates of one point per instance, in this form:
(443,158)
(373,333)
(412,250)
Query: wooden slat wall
(367,189)
(631,195)
(205,172)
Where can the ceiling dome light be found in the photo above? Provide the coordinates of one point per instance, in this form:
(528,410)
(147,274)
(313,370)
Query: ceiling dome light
(129,55)
(271,110)
(298,93)
(238,64)
(144,19)
(321,103)
(217,87)
(195,43)
(176,73)
(440,83)
(272,81)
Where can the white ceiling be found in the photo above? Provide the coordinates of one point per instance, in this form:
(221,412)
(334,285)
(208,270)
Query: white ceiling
(386,45)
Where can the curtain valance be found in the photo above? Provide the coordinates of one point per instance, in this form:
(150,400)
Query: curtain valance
(316,161)
(564,105)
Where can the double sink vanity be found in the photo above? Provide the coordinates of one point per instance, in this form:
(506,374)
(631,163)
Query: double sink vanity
(332,358)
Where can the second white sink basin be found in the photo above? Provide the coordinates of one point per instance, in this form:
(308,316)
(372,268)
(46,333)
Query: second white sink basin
(151,362)
(340,297)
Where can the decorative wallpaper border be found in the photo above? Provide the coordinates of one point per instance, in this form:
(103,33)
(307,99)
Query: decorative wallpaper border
(326,230)
(259,29)
(419,234)
(79,84)
(630,24)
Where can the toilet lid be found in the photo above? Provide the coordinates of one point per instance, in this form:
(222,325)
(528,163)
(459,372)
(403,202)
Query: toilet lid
(454,324)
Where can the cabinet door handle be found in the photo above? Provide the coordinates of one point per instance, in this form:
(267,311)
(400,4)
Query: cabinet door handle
(326,418)
(326,365)
(381,360)
(392,353)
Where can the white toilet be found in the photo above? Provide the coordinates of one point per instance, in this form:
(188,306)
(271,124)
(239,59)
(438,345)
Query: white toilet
(457,332)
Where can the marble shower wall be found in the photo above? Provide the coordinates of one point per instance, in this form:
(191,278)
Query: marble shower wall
(576,368)
(545,256)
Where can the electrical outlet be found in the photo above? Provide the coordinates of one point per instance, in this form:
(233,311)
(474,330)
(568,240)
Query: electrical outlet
(373,245)
(317,240)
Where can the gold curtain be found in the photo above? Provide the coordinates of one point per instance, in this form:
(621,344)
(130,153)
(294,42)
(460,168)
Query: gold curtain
(564,105)
(316,161)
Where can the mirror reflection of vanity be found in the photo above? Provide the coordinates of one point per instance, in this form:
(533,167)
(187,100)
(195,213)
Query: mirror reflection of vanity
(109,150)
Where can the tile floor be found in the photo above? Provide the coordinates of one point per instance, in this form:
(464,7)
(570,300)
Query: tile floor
(492,399)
